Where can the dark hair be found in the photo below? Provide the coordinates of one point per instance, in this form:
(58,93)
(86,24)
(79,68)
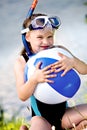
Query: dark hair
(26,24)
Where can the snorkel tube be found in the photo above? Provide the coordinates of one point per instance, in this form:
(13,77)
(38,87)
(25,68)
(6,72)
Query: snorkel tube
(33,100)
(30,12)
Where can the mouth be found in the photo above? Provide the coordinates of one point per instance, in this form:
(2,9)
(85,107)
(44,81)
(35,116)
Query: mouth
(45,47)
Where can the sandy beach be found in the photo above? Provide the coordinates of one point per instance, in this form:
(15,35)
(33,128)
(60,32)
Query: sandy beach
(72,34)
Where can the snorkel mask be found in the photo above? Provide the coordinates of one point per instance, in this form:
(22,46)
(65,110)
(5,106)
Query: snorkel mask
(38,22)
(41,21)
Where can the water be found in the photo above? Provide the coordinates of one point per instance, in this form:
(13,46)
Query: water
(72,34)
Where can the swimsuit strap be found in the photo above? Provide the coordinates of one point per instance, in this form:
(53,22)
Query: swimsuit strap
(34,106)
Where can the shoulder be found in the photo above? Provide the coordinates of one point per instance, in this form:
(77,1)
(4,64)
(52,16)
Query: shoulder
(20,59)
(19,63)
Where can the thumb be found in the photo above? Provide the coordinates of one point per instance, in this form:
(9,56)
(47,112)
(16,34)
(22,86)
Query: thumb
(61,54)
(38,65)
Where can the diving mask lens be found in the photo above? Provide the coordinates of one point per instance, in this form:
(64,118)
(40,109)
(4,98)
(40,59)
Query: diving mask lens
(38,23)
(55,21)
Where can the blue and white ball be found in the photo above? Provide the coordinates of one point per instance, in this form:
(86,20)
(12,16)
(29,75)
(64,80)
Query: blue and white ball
(63,88)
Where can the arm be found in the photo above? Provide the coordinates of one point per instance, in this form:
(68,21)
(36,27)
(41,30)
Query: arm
(26,89)
(67,63)
(79,65)
(22,87)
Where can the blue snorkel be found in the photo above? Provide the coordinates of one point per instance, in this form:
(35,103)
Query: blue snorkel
(33,100)
(30,12)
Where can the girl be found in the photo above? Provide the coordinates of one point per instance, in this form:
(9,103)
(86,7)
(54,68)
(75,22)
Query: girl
(39,34)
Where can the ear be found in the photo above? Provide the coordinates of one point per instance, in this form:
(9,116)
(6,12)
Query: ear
(27,37)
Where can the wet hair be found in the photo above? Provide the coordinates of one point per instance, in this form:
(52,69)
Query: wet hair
(26,24)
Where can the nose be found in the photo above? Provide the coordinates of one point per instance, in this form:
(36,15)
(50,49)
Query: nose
(45,41)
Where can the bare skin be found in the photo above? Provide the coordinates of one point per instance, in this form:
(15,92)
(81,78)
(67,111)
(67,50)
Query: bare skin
(67,63)
(37,123)
(75,117)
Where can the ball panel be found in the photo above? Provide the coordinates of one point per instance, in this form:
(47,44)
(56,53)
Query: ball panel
(47,94)
(66,85)
(45,61)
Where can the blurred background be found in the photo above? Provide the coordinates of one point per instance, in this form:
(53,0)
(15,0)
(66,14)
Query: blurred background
(72,34)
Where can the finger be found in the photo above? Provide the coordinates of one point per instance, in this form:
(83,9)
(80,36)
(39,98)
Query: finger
(61,54)
(49,81)
(60,69)
(57,64)
(47,67)
(38,65)
(51,76)
(63,74)
(49,71)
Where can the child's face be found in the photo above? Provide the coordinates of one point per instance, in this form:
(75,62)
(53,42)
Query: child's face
(40,39)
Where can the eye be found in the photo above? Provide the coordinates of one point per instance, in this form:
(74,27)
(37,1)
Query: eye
(51,36)
(39,37)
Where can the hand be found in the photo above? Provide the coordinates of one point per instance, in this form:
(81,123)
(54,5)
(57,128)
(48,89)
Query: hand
(43,75)
(65,63)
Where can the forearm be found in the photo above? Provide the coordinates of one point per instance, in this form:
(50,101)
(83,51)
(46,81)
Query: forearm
(25,90)
(80,66)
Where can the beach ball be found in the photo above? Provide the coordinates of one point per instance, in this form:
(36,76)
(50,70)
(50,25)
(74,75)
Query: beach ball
(63,88)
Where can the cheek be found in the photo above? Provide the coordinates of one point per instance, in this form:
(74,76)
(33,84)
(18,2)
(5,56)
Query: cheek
(51,41)
(38,42)
(35,46)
